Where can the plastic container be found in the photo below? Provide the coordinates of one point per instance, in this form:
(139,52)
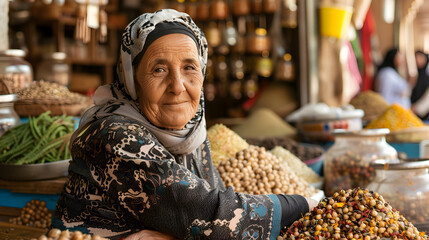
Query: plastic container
(54,68)
(316,122)
(405,185)
(347,164)
(15,72)
(8,117)
(334,20)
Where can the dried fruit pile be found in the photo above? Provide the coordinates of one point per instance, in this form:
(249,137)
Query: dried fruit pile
(353,214)
(256,171)
(56,234)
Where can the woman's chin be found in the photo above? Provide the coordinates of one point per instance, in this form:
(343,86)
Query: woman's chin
(174,121)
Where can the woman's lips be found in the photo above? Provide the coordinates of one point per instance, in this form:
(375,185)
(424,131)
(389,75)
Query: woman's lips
(174,103)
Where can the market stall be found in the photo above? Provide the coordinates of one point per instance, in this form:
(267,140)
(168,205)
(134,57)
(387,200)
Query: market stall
(273,127)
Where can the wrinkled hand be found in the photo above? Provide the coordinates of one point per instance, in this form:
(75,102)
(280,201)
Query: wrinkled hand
(149,235)
(312,203)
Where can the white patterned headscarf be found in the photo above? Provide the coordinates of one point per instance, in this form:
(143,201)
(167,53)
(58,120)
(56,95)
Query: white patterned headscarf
(120,97)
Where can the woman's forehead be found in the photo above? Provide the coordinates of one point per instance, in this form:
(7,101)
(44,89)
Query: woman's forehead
(177,44)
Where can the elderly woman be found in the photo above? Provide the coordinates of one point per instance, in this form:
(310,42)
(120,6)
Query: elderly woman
(141,159)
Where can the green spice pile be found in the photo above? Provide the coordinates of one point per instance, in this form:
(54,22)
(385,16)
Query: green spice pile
(372,103)
(56,234)
(42,139)
(353,214)
(34,214)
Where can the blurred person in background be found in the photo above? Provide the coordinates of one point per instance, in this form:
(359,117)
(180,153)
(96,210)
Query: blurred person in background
(420,93)
(389,81)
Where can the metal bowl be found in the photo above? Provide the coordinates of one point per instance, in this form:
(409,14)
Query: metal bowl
(34,171)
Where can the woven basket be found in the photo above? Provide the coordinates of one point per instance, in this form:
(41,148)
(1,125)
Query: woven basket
(26,108)
(413,134)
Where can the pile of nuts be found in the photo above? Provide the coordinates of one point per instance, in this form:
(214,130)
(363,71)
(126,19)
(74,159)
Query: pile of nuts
(56,234)
(256,171)
(49,91)
(34,214)
(353,214)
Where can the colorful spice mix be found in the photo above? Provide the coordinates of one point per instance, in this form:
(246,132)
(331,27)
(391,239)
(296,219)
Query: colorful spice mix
(353,214)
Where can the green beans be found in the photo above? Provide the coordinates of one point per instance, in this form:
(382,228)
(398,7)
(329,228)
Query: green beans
(42,139)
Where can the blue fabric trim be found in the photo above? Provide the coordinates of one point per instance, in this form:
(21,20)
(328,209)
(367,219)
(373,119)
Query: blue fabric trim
(277,217)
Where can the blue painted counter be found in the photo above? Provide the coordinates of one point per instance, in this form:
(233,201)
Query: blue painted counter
(18,200)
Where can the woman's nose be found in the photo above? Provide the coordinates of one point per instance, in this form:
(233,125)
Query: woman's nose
(176,85)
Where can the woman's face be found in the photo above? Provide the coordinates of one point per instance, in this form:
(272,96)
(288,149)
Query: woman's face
(169,81)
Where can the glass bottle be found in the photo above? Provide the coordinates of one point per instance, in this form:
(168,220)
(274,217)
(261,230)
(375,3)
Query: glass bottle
(264,65)
(259,41)
(285,69)
(240,7)
(347,163)
(203,10)
(8,117)
(289,16)
(54,68)
(218,10)
(405,185)
(15,72)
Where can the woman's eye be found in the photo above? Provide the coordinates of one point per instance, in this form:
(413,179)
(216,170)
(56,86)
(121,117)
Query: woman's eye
(158,70)
(190,67)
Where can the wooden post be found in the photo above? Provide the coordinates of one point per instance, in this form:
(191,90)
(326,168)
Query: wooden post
(4,21)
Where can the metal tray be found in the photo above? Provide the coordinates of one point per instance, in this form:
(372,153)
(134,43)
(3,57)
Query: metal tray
(39,171)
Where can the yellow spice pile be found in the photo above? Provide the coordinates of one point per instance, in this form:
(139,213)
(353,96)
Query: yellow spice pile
(396,118)
(224,143)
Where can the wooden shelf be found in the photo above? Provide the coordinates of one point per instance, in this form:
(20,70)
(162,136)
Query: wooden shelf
(10,231)
(52,186)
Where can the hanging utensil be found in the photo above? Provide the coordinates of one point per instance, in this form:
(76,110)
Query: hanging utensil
(80,22)
(103,26)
